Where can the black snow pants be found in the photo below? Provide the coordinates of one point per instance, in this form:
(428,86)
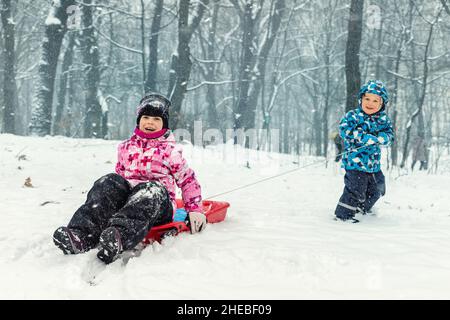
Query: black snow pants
(361,191)
(111,202)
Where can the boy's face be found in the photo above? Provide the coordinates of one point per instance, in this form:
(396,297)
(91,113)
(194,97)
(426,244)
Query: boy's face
(150,124)
(371,103)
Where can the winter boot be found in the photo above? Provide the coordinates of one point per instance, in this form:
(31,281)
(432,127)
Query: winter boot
(349,219)
(361,211)
(69,241)
(110,245)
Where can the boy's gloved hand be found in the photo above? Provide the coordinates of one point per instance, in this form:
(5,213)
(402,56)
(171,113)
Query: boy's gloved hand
(197,221)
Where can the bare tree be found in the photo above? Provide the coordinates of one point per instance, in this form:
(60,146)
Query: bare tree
(151,78)
(55,29)
(278,8)
(2,73)
(352,72)
(445,6)
(208,46)
(423,91)
(181,63)
(266,110)
(329,53)
(405,37)
(89,46)
(58,123)
(233,65)
(9,78)
(249,13)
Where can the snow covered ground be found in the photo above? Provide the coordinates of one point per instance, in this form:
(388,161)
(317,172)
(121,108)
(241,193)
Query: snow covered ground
(279,240)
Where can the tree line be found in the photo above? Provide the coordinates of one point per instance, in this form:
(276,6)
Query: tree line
(79,68)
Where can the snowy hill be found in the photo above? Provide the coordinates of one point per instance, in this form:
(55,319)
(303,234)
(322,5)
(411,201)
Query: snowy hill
(279,240)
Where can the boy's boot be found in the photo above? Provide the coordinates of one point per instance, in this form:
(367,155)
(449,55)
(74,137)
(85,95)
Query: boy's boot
(110,245)
(70,241)
(347,219)
(361,210)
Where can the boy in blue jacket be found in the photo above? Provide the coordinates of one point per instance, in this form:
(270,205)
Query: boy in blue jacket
(364,130)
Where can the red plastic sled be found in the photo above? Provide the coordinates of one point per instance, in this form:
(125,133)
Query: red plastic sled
(215,211)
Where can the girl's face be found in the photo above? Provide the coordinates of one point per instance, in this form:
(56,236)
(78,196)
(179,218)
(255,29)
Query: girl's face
(150,124)
(371,103)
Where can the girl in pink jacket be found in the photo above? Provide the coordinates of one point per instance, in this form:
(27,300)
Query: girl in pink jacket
(122,207)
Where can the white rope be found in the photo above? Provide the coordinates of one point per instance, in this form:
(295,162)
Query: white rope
(283,173)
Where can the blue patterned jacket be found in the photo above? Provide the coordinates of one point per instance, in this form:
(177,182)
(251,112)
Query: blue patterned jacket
(363,134)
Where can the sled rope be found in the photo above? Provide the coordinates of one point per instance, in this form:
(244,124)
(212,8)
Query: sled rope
(283,173)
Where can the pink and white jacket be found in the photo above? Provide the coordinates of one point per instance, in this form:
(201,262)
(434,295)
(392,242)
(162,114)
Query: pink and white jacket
(144,158)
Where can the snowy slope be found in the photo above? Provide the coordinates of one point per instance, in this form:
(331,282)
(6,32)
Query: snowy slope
(279,240)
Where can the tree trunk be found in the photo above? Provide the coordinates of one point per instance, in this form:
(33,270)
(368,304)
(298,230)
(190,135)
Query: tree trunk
(58,124)
(105,111)
(299,137)
(143,44)
(9,78)
(213,120)
(352,72)
(93,120)
(418,112)
(150,82)
(379,52)
(183,64)
(244,115)
(172,75)
(55,29)
(394,148)
(317,127)
(2,73)
(326,106)
(260,68)
(70,103)
(393,103)
(286,144)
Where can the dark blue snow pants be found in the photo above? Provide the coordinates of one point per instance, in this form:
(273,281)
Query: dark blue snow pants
(361,191)
(112,202)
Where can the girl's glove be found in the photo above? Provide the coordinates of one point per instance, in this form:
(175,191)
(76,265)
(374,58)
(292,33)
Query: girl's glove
(197,221)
